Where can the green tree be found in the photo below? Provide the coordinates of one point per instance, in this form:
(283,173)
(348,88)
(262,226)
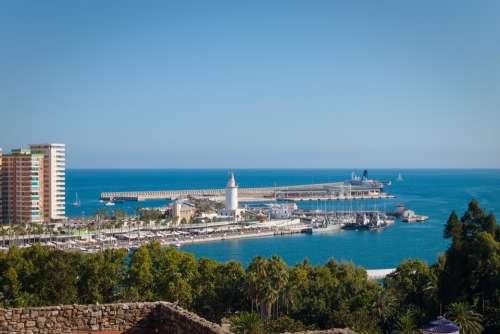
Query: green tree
(101,276)
(469,321)
(88,286)
(472,268)
(173,274)
(139,282)
(384,306)
(453,228)
(286,324)
(405,324)
(149,215)
(205,301)
(278,279)
(218,289)
(293,294)
(266,280)
(12,294)
(247,323)
(62,287)
(256,283)
(49,276)
(229,283)
(412,284)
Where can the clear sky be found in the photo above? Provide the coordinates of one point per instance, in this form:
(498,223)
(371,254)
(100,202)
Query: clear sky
(253,83)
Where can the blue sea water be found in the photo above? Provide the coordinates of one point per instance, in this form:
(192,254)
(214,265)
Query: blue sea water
(431,192)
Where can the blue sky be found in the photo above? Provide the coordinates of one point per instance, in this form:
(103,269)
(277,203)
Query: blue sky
(253,84)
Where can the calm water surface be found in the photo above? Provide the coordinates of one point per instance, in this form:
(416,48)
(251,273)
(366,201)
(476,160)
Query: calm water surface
(430,192)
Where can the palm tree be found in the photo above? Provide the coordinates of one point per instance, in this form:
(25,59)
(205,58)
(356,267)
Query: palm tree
(278,278)
(468,320)
(252,289)
(405,324)
(384,305)
(258,282)
(247,323)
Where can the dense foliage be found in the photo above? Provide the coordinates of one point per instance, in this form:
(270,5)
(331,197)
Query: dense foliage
(270,296)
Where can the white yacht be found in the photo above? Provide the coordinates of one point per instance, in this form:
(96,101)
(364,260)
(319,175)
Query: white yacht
(76,202)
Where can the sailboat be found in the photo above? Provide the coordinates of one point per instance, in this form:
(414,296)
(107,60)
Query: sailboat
(400,177)
(76,202)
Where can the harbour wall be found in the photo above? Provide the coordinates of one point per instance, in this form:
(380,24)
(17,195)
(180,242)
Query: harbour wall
(332,189)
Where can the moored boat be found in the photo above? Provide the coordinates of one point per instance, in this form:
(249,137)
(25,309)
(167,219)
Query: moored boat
(409,216)
(326,228)
(374,221)
(76,203)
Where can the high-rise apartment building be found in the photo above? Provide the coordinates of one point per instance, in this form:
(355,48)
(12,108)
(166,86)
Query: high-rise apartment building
(32,184)
(54,177)
(22,187)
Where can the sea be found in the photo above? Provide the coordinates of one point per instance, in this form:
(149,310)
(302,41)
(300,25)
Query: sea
(431,192)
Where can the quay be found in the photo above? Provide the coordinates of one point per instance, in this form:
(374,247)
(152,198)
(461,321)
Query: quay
(90,241)
(317,191)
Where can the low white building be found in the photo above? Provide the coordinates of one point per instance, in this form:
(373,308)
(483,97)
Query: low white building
(282,211)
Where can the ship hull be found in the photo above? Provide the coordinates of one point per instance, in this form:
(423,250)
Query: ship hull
(327,229)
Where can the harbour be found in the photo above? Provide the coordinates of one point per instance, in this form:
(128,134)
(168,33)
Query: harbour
(428,192)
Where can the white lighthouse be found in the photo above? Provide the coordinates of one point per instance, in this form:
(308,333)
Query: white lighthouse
(231,204)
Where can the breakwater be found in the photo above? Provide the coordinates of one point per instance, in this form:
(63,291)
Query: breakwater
(332,190)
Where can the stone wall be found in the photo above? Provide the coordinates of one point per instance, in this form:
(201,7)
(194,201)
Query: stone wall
(159,317)
(131,318)
(327,331)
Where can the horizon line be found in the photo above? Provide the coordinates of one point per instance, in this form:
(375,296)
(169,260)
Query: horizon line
(283,168)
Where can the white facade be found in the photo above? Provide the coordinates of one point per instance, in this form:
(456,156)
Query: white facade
(282,211)
(54,177)
(36,188)
(231,203)
(182,210)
